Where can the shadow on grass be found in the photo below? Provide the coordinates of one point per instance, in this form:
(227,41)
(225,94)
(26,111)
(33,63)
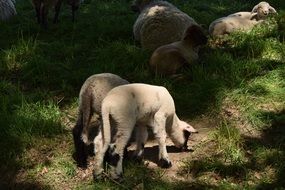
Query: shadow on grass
(22,125)
(270,149)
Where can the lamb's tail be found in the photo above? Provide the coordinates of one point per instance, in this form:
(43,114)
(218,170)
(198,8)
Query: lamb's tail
(7,9)
(106,128)
(85,110)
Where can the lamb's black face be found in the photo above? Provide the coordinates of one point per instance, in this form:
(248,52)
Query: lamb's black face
(186,137)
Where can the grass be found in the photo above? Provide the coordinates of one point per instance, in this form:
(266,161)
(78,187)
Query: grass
(239,83)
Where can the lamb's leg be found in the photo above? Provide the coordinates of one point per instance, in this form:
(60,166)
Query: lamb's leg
(117,151)
(44,15)
(38,10)
(99,155)
(160,134)
(80,154)
(57,10)
(141,138)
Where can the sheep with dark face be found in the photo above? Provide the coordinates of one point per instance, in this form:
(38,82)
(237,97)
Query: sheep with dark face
(42,8)
(91,95)
(168,59)
(136,106)
(159,23)
(241,20)
(7,9)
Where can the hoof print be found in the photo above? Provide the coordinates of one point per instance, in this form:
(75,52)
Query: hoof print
(164,163)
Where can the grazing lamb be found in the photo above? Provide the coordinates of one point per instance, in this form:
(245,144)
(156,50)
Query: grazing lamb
(159,23)
(91,96)
(138,105)
(7,9)
(169,58)
(241,20)
(42,7)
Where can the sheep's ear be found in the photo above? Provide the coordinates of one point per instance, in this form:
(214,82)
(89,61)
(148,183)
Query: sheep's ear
(196,35)
(190,129)
(254,10)
(272,10)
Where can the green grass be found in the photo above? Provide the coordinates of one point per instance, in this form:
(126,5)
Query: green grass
(240,84)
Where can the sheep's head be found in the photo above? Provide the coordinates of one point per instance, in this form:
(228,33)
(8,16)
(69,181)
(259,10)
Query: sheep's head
(263,9)
(138,5)
(180,134)
(195,35)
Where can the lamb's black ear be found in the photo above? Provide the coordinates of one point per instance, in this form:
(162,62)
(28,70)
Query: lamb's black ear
(254,10)
(186,137)
(196,35)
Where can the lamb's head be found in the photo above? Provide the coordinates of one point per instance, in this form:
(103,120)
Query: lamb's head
(180,134)
(263,9)
(138,5)
(195,36)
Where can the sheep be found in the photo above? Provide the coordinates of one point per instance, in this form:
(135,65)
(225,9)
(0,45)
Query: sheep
(136,106)
(169,58)
(91,96)
(241,20)
(159,23)
(7,9)
(42,7)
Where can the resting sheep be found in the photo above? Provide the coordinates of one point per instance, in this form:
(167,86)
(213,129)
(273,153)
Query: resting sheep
(42,7)
(136,106)
(169,58)
(159,23)
(7,9)
(241,20)
(91,96)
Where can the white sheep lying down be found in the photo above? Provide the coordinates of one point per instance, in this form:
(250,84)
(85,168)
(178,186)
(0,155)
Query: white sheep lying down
(138,105)
(243,21)
(91,95)
(159,23)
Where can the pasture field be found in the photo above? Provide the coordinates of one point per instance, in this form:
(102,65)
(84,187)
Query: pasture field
(235,96)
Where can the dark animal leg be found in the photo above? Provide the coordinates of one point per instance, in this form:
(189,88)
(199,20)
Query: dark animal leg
(38,12)
(44,12)
(57,10)
(80,154)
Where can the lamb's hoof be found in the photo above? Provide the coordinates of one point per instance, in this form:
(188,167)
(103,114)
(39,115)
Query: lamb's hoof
(117,177)
(81,162)
(164,163)
(97,175)
(137,159)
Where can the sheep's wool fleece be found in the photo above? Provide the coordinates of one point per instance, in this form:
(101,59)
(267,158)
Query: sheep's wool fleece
(7,9)
(160,23)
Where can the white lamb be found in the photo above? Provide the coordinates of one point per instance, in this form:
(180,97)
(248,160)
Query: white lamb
(7,9)
(241,20)
(159,23)
(138,105)
(91,95)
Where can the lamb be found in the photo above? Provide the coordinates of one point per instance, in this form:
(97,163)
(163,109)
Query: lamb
(159,23)
(91,96)
(42,7)
(136,106)
(241,20)
(169,58)
(7,9)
